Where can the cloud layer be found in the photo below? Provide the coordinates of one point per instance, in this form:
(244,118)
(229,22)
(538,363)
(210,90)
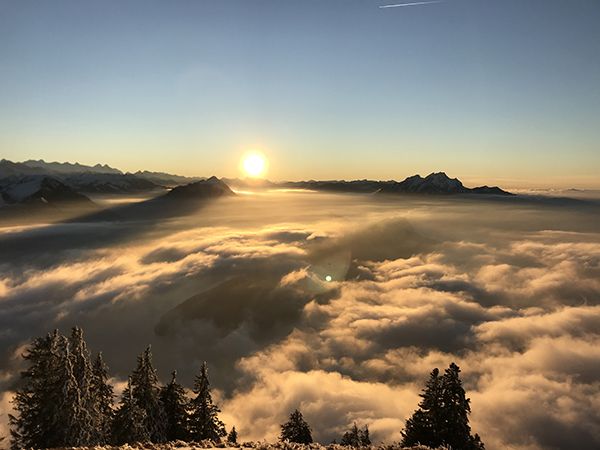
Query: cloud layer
(511,292)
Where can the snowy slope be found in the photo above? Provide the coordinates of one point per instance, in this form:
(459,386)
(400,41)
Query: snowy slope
(20,190)
(38,189)
(93,179)
(205,445)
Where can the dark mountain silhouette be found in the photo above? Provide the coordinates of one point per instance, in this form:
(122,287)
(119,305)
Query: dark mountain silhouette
(435,183)
(105,179)
(166,179)
(438,183)
(356,186)
(67,167)
(210,188)
(490,190)
(99,178)
(9,169)
(180,201)
(108,183)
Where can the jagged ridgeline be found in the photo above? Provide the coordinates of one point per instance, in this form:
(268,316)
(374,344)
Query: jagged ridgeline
(65,399)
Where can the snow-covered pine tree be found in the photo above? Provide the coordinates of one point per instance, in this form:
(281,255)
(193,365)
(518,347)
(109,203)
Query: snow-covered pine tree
(85,422)
(296,429)
(176,406)
(55,406)
(425,424)
(102,393)
(35,402)
(204,418)
(129,424)
(455,430)
(232,437)
(69,423)
(146,389)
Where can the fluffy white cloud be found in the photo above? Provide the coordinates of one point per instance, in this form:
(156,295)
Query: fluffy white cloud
(420,284)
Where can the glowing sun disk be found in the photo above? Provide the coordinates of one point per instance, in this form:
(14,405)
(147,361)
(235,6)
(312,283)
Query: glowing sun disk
(254,164)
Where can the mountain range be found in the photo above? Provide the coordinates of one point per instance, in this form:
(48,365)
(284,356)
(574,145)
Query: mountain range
(39,182)
(100,178)
(435,183)
(438,183)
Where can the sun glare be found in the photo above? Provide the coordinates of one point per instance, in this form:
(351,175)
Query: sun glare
(254,164)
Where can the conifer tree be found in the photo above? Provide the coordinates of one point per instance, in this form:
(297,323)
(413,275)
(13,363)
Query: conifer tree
(204,420)
(355,437)
(232,437)
(145,390)
(418,430)
(442,417)
(424,426)
(365,438)
(455,430)
(129,425)
(84,422)
(351,437)
(55,406)
(176,406)
(296,429)
(36,403)
(71,429)
(102,393)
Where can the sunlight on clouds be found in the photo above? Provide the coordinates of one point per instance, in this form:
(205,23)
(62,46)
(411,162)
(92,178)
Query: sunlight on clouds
(520,316)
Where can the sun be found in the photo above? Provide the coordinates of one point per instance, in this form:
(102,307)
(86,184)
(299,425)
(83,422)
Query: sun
(254,164)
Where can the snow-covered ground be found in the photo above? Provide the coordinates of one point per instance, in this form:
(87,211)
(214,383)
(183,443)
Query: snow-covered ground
(252,445)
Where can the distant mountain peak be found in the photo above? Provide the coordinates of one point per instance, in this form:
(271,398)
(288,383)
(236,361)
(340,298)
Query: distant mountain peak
(437,183)
(203,189)
(438,176)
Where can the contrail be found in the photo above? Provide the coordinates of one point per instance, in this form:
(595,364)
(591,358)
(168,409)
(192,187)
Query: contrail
(398,5)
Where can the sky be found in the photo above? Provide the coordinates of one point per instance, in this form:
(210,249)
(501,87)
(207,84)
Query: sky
(502,92)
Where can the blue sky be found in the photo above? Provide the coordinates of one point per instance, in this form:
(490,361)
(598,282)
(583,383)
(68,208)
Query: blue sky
(505,91)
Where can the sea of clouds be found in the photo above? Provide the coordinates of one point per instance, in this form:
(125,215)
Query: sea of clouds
(508,289)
